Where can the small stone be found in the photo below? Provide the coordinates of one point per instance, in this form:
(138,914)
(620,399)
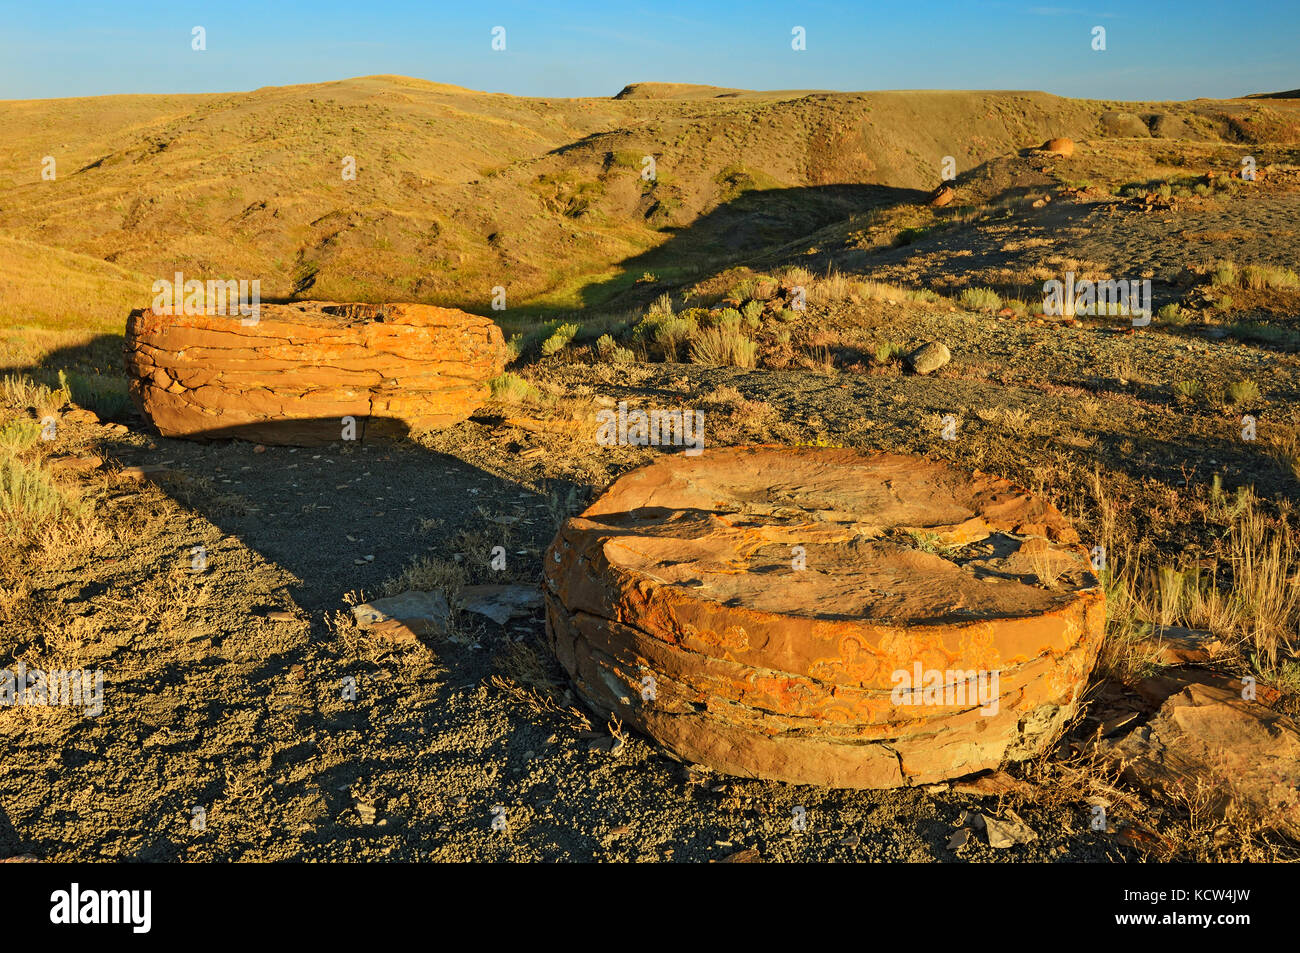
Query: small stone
(80,415)
(259,449)
(405,617)
(154,473)
(853,840)
(995,784)
(77,464)
(280,615)
(959,838)
(612,746)
(929,357)
(366,812)
(1008,831)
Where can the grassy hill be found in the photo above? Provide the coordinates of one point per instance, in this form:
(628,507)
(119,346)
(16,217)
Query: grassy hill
(457,191)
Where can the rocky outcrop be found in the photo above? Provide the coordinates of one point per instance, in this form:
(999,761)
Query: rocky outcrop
(1212,742)
(296,373)
(825,616)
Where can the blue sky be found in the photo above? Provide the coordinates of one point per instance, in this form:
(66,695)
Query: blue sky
(1166,50)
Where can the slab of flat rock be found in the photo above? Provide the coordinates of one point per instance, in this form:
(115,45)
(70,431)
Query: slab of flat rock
(1208,743)
(300,370)
(501,603)
(767,611)
(1008,831)
(405,617)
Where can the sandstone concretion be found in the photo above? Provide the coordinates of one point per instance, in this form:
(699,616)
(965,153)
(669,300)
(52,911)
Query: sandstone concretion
(942,196)
(299,370)
(1060,147)
(765,611)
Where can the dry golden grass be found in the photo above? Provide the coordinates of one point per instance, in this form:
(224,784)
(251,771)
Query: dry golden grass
(53,289)
(1254,600)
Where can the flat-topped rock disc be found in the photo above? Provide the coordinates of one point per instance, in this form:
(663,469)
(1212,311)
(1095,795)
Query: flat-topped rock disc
(294,374)
(826,616)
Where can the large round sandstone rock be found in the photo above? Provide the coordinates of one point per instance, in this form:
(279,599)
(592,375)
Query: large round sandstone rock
(1060,147)
(294,375)
(765,611)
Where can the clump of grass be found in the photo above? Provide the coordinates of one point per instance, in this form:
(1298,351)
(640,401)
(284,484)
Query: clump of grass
(980,299)
(887,353)
(1242,392)
(1266,277)
(1256,602)
(723,347)
(512,389)
(611,352)
(661,305)
(753,314)
(1171,313)
(428,574)
(20,391)
(559,339)
(1283,445)
(1188,389)
(106,396)
(729,319)
(19,435)
(1257,332)
(1227,274)
(1224,275)
(30,500)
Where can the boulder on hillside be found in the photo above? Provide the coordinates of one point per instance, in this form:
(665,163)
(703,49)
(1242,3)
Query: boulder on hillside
(299,372)
(1122,125)
(929,357)
(826,616)
(942,196)
(1167,126)
(1059,147)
